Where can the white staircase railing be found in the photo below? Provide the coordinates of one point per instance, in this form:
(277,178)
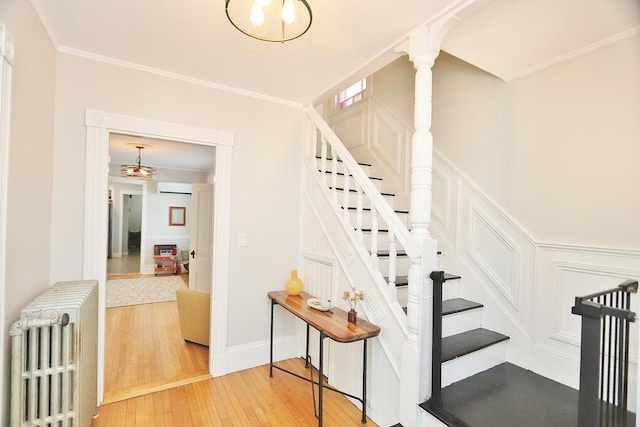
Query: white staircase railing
(339,170)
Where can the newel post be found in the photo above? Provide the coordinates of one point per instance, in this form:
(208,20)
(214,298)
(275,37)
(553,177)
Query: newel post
(423,46)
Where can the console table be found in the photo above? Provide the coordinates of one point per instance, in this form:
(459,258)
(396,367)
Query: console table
(331,324)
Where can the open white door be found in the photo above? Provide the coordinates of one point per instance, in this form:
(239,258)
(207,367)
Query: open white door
(200,250)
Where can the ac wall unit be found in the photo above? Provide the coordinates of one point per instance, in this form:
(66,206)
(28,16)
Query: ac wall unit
(174,187)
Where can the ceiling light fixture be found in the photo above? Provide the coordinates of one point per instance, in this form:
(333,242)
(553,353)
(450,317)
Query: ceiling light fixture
(270,21)
(138,170)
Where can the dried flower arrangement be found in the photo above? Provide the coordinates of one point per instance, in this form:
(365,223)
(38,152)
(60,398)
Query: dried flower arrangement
(352,297)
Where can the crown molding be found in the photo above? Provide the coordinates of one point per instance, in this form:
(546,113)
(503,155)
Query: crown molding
(37,8)
(174,76)
(574,54)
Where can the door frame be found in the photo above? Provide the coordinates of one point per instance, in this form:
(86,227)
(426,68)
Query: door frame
(100,124)
(120,218)
(7,50)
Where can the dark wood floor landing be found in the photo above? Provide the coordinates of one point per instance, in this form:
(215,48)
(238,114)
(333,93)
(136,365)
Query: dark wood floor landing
(506,396)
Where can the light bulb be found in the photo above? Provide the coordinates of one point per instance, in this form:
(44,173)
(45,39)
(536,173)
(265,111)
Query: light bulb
(263,3)
(288,11)
(257,14)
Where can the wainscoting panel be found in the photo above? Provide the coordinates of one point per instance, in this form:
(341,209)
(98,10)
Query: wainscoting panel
(565,272)
(444,195)
(500,255)
(493,253)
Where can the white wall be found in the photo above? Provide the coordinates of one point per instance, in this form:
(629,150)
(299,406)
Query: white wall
(265,182)
(159,232)
(31,147)
(557,150)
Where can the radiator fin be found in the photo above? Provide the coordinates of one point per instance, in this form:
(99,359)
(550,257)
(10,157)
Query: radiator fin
(54,358)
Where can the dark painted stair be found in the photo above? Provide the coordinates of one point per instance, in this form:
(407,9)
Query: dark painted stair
(505,396)
(458,305)
(467,342)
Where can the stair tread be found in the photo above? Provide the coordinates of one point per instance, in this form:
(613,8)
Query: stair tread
(508,395)
(384,254)
(400,280)
(458,305)
(467,342)
(330,159)
(351,190)
(353,208)
(342,174)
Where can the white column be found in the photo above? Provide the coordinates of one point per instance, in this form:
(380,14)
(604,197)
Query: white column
(416,355)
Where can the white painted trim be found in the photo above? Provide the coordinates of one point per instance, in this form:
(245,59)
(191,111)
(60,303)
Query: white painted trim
(250,355)
(48,28)
(7,50)
(99,125)
(172,75)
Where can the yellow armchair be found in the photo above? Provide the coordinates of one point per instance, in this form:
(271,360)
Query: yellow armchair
(194,311)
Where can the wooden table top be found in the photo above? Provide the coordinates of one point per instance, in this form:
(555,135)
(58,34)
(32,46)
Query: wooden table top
(333,323)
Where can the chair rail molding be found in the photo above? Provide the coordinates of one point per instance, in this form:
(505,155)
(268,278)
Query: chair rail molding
(99,125)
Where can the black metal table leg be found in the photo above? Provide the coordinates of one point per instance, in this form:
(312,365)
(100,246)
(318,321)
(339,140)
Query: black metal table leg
(320,386)
(271,343)
(364,382)
(306,358)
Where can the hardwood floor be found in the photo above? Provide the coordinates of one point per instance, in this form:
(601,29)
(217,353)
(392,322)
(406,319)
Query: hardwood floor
(144,350)
(125,264)
(246,398)
(153,378)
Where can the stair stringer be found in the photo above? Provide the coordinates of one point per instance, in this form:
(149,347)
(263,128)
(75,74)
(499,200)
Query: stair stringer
(379,307)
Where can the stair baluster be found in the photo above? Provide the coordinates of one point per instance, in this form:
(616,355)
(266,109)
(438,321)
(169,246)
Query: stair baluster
(334,179)
(359,208)
(604,355)
(345,199)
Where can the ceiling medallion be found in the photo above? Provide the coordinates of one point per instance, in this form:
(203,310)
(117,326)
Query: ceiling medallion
(270,21)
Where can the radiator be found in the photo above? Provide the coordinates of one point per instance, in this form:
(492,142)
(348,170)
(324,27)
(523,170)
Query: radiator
(54,358)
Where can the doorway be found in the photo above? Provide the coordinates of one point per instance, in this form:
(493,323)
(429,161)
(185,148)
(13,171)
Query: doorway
(125,229)
(100,125)
(146,350)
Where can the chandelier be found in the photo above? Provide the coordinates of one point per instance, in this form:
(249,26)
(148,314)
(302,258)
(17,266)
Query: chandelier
(138,170)
(270,20)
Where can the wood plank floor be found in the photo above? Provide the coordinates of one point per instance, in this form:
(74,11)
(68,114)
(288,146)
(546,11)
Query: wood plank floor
(246,398)
(153,378)
(144,350)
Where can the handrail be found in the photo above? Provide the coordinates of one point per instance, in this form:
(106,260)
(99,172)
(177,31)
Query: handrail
(410,244)
(626,286)
(604,355)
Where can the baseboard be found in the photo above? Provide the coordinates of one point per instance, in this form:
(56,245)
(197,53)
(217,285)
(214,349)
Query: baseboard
(247,356)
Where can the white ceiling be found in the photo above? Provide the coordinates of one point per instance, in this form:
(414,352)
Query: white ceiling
(161,154)
(348,39)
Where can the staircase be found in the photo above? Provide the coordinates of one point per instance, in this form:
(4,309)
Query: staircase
(473,384)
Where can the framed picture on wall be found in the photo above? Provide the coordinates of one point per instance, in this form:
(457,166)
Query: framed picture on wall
(177,215)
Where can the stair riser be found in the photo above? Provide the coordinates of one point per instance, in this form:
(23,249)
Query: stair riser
(402,292)
(451,290)
(473,363)
(366,220)
(377,183)
(340,168)
(353,199)
(402,266)
(460,322)
(383,240)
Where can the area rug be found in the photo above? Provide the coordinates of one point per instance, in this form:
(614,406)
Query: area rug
(143,290)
